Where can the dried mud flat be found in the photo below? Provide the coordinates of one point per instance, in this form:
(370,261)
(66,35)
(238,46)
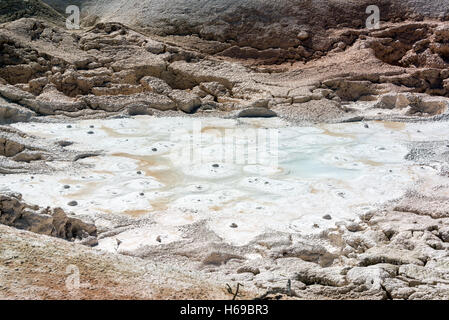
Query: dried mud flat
(392,81)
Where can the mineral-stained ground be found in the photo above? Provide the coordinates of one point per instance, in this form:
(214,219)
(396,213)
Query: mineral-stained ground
(309,63)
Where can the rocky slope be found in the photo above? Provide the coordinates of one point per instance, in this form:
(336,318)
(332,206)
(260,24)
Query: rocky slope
(282,29)
(111,69)
(11,10)
(34,266)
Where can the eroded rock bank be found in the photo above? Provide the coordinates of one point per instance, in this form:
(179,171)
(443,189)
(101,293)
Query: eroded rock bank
(23,153)
(51,222)
(263,30)
(112,70)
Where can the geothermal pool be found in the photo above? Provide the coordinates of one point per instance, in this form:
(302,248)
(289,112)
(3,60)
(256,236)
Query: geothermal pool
(241,177)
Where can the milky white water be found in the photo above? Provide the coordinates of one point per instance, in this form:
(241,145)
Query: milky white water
(342,170)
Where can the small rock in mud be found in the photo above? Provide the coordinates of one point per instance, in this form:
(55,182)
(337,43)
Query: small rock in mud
(65,143)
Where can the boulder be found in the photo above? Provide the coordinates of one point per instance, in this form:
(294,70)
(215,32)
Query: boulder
(37,85)
(155,85)
(257,113)
(137,109)
(214,88)
(259,103)
(387,101)
(185,101)
(423,274)
(154,47)
(51,100)
(442,33)
(349,90)
(389,255)
(11,113)
(310,274)
(403,100)
(120,102)
(371,276)
(10,147)
(13,93)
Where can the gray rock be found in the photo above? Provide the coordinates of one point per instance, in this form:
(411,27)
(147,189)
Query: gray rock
(219,258)
(257,113)
(186,101)
(354,227)
(136,109)
(424,274)
(90,241)
(14,94)
(118,103)
(155,47)
(11,113)
(387,101)
(214,88)
(156,85)
(310,274)
(260,103)
(390,255)
(371,276)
